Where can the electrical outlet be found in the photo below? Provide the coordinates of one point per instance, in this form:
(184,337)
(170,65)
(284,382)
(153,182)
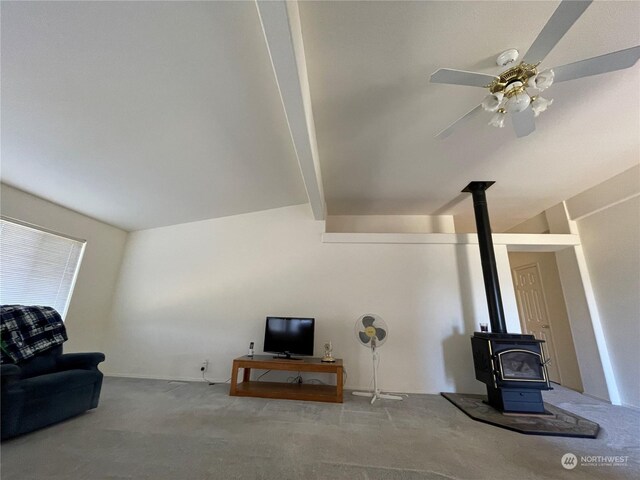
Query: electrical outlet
(204,366)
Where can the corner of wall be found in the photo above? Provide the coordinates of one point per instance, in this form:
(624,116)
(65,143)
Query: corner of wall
(559,221)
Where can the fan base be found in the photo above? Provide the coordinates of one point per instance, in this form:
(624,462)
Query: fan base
(376,395)
(362,394)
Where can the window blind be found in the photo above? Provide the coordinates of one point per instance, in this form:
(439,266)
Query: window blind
(37,267)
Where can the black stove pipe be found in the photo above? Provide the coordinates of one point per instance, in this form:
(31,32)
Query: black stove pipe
(489,270)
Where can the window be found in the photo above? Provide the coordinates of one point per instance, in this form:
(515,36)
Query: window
(37,267)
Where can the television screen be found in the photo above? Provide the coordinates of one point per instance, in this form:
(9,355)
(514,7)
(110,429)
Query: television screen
(286,335)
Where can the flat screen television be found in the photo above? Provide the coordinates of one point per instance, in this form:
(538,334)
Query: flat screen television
(289,335)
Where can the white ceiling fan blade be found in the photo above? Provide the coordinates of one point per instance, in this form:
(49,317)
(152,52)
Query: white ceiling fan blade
(560,22)
(523,122)
(461,77)
(449,130)
(608,62)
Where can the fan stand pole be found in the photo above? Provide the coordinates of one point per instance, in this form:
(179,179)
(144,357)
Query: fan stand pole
(376,394)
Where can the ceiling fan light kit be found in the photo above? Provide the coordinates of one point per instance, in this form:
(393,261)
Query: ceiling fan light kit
(517,98)
(498,119)
(508,93)
(542,80)
(492,102)
(539,104)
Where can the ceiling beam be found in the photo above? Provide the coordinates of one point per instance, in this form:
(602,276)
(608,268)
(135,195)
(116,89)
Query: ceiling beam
(515,242)
(282,31)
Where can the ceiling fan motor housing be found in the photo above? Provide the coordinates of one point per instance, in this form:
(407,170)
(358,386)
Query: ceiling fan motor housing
(520,73)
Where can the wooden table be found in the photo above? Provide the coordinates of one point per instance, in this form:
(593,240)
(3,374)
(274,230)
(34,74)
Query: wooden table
(289,391)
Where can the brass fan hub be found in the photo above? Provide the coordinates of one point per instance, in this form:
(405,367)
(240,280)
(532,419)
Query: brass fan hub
(520,73)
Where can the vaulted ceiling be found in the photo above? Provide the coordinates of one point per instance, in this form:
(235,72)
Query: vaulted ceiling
(144,114)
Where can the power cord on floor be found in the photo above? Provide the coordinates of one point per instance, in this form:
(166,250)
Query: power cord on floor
(214,383)
(298,379)
(207,380)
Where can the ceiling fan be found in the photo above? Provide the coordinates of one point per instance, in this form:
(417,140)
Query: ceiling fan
(516,91)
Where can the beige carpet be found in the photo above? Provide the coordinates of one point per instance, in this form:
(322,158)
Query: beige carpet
(148,429)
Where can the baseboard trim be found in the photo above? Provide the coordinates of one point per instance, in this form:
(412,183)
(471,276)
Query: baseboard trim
(168,379)
(597,398)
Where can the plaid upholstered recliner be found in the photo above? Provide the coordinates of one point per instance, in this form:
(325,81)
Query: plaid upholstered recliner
(47,388)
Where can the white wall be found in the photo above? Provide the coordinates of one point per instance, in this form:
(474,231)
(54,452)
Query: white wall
(611,243)
(593,359)
(90,304)
(601,283)
(537,224)
(202,290)
(390,223)
(617,189)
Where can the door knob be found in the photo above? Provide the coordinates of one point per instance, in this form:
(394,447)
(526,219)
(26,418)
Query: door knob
(545,326)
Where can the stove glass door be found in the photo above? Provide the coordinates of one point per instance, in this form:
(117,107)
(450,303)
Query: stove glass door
(521,365)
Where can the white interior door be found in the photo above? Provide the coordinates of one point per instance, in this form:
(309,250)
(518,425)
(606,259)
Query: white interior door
(534,314)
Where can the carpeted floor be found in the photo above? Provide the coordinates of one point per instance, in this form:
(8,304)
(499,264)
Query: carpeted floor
(150,429)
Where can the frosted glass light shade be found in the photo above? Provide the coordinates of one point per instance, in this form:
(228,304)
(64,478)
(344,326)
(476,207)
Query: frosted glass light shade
(498,119)
(492,102)
(542,80)
(517,98)
(540,104)
(517,103)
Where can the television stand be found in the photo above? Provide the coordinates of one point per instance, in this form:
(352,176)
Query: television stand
(286,357)
(284,390)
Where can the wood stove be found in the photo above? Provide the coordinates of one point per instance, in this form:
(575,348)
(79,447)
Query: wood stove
(514,370)
(513,366)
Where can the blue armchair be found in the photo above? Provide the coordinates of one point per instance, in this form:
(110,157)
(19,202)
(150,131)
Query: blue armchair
(47,389)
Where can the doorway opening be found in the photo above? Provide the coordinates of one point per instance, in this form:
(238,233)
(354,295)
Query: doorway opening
(543,313)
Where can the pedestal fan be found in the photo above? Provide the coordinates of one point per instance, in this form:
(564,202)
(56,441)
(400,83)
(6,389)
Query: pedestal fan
(372,332)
